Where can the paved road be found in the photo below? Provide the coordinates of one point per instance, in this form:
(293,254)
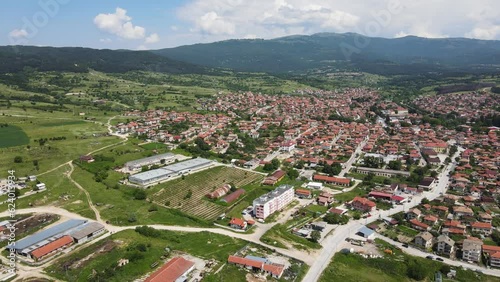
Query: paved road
(419,253)
(331,244)
(353,158)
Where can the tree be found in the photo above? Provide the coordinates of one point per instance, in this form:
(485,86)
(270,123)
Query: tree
(315,236)
(293,174)
(333,218)
(395,165)
(140,194)
(18,159)
(424,201)
(416,270)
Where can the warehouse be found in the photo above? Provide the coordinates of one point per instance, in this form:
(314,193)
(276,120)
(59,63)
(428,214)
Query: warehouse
(167,172)
(152,176)
(87,232)
(153,160)
(28,244)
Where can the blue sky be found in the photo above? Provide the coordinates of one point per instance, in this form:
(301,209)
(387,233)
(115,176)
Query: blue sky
(151,24)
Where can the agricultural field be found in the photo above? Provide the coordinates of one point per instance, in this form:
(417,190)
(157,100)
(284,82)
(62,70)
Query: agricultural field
(47,141)
(188,194)
(12,136)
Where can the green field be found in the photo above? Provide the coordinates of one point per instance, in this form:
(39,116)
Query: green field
(125,245)
(174,194)
(63,139)
(13,136)
(280,235)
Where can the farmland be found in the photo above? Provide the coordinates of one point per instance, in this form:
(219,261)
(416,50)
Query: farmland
(12,136)
(188,194)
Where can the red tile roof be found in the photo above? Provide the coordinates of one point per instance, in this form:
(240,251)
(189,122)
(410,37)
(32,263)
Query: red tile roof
(245,262)
(319,177)
(481,225)
(274,269)
(364,201)
(52,246)
(303,192)
(237,221)
(171,270)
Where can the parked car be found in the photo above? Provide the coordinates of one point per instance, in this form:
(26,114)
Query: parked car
(439,259)
(405,245)
(429,257)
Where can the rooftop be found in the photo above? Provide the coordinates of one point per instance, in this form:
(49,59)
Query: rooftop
(273,194)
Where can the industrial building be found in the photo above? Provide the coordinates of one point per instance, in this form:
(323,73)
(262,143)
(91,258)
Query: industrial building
(28,244)
(52,240)
(273,201)
(153,160)
(164,173)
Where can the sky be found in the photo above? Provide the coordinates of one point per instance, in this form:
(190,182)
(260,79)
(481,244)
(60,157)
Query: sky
(148,24)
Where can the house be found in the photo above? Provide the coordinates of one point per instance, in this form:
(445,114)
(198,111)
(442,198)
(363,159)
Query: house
(40,186)
(32,178)
(427,183)
(493,252)
(325,199)
(483,228)
(303,194)
(413,213)
(445,245)
(484,217)
(424,240)
(287,146)
(177,269)
(419,225)
(363,204)
(461,211)
(86,159)
(430,220)
(238,223)
(471,250)
(258,264)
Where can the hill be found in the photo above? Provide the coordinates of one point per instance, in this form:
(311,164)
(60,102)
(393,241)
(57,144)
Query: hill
(75,59)
(345,52)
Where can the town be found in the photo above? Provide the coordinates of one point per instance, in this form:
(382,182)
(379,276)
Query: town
(326,181)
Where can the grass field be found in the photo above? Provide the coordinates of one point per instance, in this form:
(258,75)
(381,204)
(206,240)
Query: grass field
(66,139)
(60,193)
(174,194)
(124,245)
(13,136)
(280,235)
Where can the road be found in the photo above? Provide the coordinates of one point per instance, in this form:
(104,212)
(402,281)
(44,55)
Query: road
(419,253)
(353,158)
(331,244)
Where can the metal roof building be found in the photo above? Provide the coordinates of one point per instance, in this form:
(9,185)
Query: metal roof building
(87,231)
(36,240)
(156,175)
(137,164)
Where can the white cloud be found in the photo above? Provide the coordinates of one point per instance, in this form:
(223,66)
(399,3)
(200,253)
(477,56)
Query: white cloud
(119,24)
(211,20)
(105,40)
(174,28)
(488,33)
(142,48)
(153,38)
(211,23)
(18,33)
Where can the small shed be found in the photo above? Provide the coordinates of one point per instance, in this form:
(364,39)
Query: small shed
(366,232)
